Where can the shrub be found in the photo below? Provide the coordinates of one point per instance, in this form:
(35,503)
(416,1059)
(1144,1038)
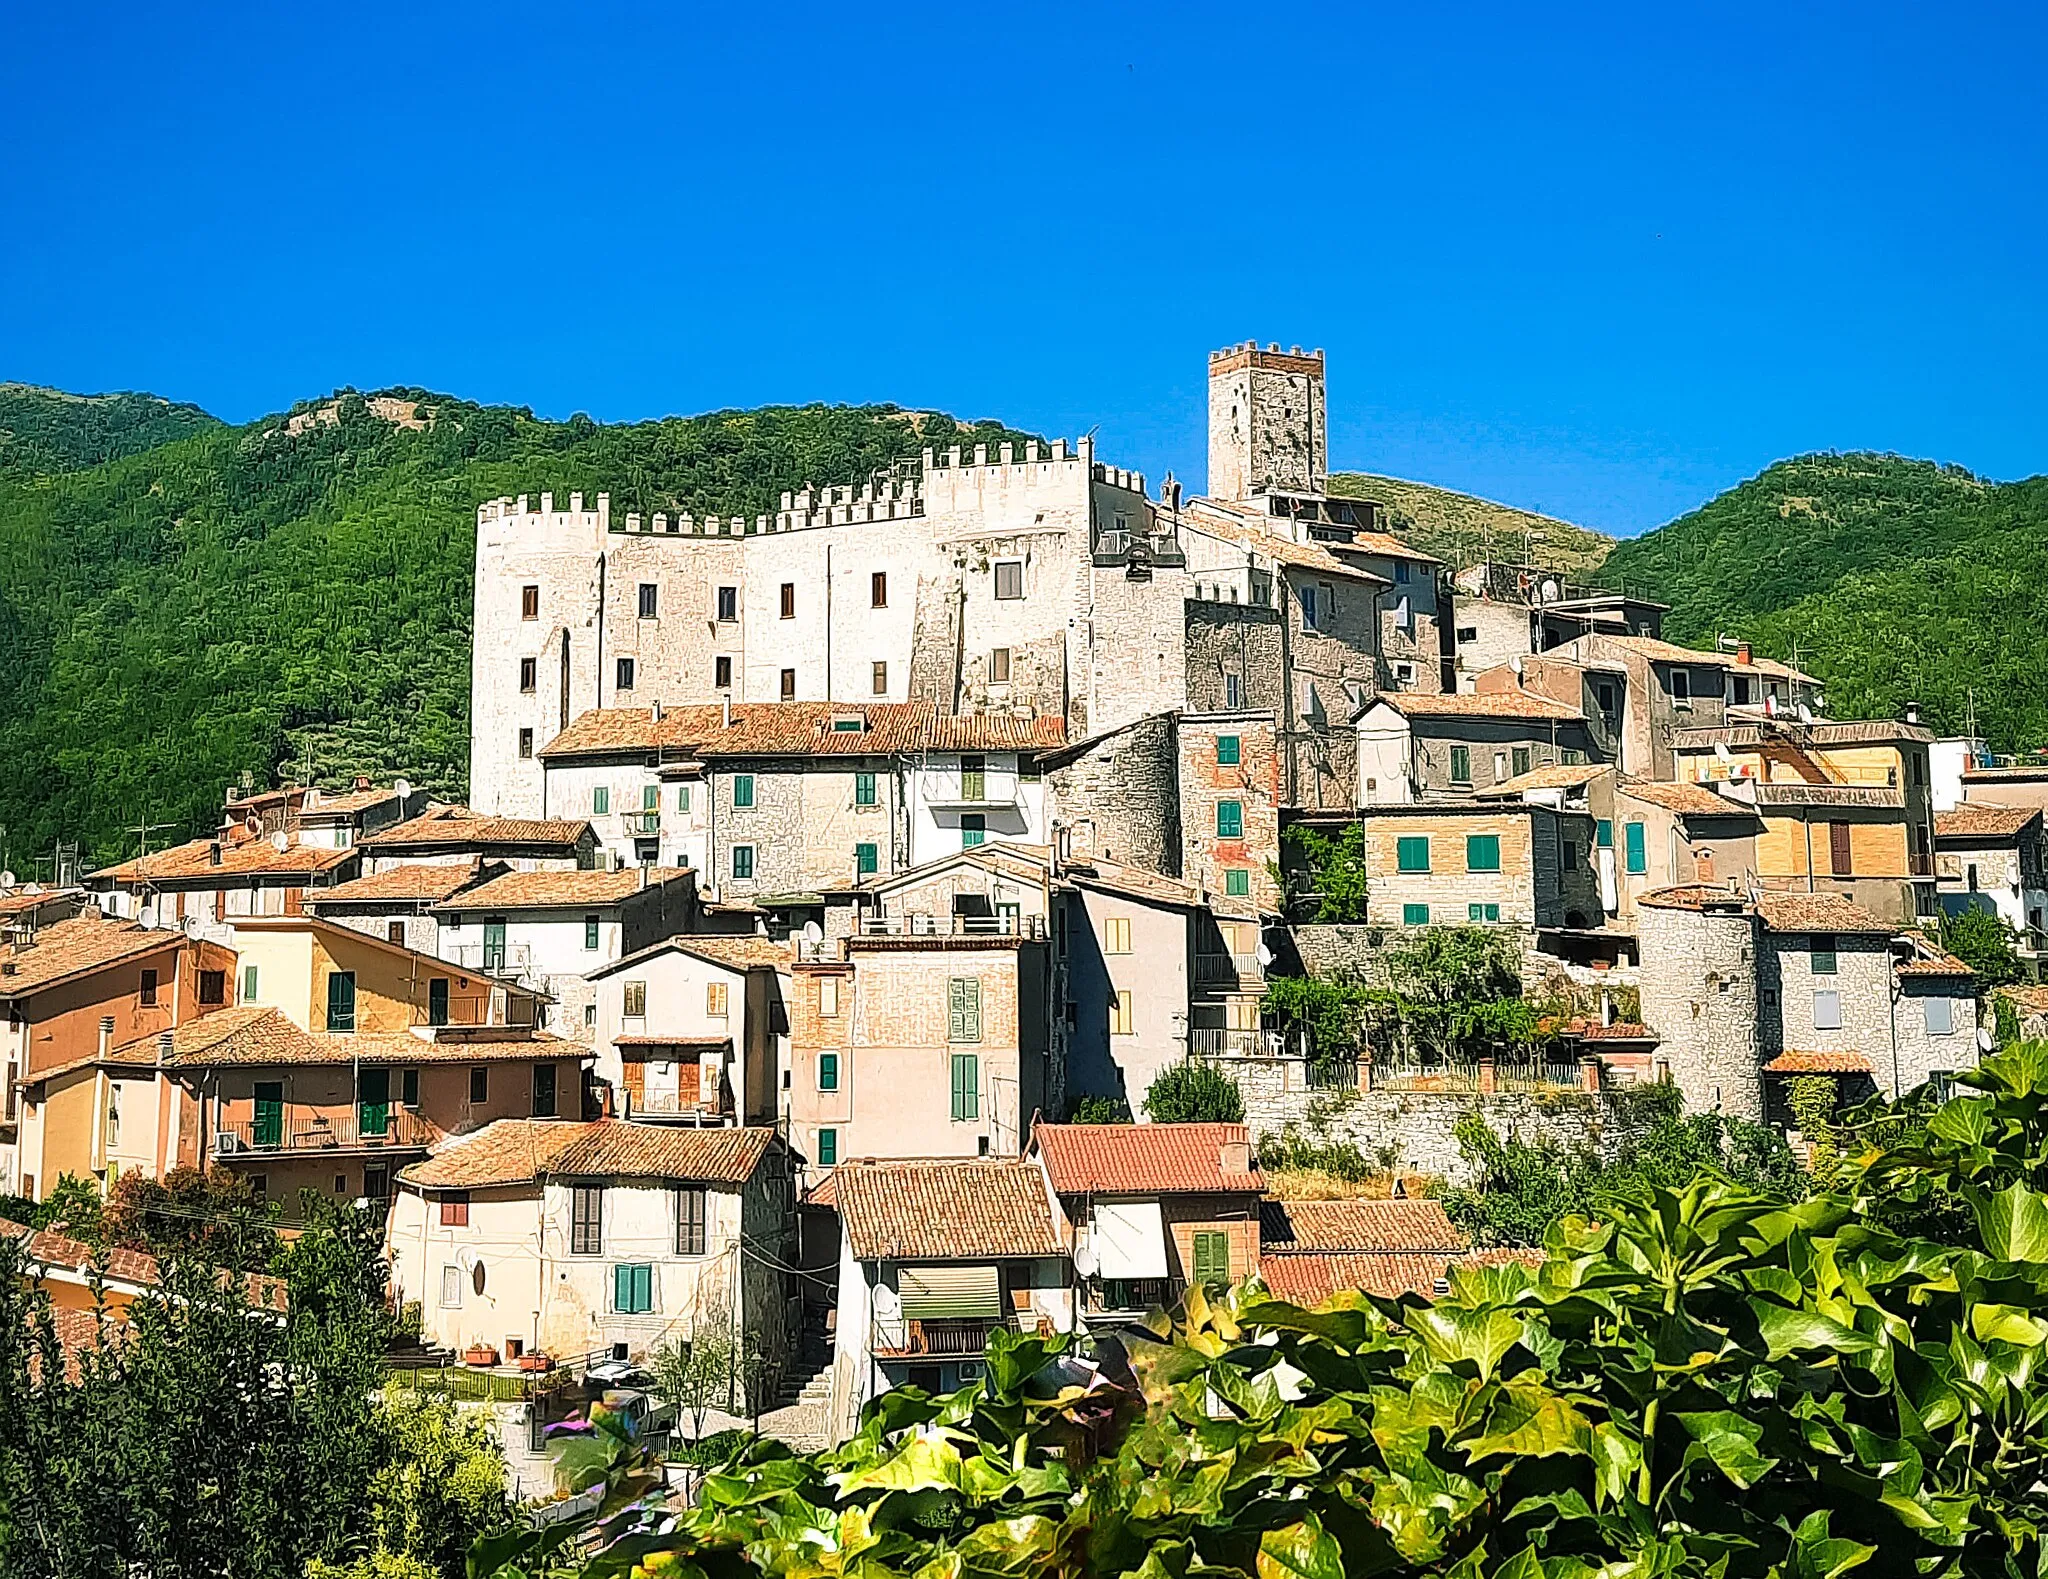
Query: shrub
(1193,1093)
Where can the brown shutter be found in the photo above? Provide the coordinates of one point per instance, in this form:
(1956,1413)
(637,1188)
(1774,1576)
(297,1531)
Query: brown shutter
(1838,848)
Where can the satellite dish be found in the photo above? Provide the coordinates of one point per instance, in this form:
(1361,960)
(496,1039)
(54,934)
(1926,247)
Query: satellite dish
(813,933)
(1263,955)
(1085,1262)
(1805,714)
(1722,752)
(1985,1040)
(1515,663)
(6,879)
(401,787)
(1550,592)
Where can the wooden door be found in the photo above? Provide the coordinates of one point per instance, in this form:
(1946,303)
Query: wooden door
(269,1127)
(1839,861)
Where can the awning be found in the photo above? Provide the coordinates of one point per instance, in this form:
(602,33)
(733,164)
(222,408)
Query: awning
(1129,1239)
(950,1292)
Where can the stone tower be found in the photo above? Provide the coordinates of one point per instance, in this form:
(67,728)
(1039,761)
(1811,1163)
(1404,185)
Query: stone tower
(1267,431)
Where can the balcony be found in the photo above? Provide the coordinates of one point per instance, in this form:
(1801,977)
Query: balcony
(1113,1300)
(303,1131)
(674,1108)
(918,926)
(932,1339)
(641,823)
(970,791)
(1228,970)
(506,961)
(1214,1041)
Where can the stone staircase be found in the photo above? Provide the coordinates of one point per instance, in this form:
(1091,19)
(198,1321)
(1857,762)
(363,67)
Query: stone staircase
(803,1398)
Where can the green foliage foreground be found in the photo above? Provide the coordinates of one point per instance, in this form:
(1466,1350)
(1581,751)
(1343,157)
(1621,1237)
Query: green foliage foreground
(1696,1381)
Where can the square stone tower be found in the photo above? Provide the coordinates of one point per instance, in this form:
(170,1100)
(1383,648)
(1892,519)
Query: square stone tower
(1267,430)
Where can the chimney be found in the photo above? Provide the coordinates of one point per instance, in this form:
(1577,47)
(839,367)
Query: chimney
(1742,652)
(213,853)
(655,710)
(1912,712)
(1236,1158)
(106,1034)
(362,781)
(165,1041)
(725,705)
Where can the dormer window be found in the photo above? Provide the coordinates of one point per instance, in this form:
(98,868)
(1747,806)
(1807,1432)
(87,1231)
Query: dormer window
(848,724)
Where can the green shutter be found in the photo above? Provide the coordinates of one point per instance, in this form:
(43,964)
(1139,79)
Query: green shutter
(963,1009)
(1493,912)
(828,1071)
(1482,852)
(248,984)
(341,1000)
(1212,1258)
(1638,860)
(742,790)
(1412,854)
(1461,764)
(864,789)
(1415,915)
(1230,819)
(866,859)
(622,1286)
(1228,751)
(650,797)
(966,1105)
(1603,834)
(828,1148)
(600,802)
(1237,882)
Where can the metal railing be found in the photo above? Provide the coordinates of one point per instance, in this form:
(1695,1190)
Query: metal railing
(494,959)
(952,926)
(936,1338)
(641,822)
(308,1131)
(1214,1041)
(1334,1075)
(1919,864)
(1122,1298)
(1475,1076)
(1214,969)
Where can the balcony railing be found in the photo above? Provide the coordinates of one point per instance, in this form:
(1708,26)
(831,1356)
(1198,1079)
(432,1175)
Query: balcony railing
(509,960)
(715,1109)
(1125,1299)
(970,790)
(952,926)
(641,822)
(931,1338)
(1214,1041)
(1226,969)
(300,1131)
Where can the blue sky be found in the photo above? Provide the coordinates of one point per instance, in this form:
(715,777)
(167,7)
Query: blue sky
(1601,261)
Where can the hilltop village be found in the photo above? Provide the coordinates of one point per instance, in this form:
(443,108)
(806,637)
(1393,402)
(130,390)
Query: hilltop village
(844,892)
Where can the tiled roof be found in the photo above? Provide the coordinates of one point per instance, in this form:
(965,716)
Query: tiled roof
(1214,519)
(1846,732)
(520,1151)
(1978,820)
(1816,913)
(20,901)
(1660,651)
(965,1210)
(1480,704)
(244,858)
(546,890)
(1931,960)
(801,729)
(1132,883)
(398,884)
(1693,896)
(1795,1062)
(341,803)
(247,1033)
(61,1252)
(1297,1226)
(1032,862)
(252,1035)
(459,827)
(1617,1031)
(1310,1279)
(1145,1159)
(733,950)
(1688,800)
(75,946)
(1558,777)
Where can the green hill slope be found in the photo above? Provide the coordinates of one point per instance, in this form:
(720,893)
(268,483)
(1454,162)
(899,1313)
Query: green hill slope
(1461,527)
(43,431)
(1894,580)
(247,598)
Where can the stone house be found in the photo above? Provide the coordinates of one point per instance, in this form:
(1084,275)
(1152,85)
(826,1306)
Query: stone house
(1116,796)
(1448,748)
(1992,858)
(1846,807)
(574,1237)
(457,836)
(1230,810)
(206,885)
(934,1256)
(695,1029)
(398,903)
(1150,1208)
(1495,863)
(1506,611)
(1125,943)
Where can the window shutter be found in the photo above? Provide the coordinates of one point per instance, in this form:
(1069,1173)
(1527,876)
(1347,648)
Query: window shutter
(973,1006)
(1637,856)
(643,1287)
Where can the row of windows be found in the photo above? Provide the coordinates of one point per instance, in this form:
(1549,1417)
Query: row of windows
(1008,575)
(633,996)
(586,1220)
(1418,915)
(1482,852)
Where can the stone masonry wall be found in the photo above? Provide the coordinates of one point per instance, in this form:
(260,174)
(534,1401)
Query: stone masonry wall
(1228,641)
(1120,798)
(1699,993)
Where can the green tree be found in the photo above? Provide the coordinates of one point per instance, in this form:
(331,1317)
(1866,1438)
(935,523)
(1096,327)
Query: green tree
(1331,885)
(1193,1093)
(216,1216)
(1099,1110)
(696,1374)
(1982,941)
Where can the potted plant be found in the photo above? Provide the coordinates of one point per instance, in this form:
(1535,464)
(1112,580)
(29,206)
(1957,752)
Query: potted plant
(480,1354)
(536,1361)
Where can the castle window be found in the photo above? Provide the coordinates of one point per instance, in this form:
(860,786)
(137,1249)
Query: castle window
(728,603)
(789,685)
(878,590)
(650,600)
(529,603)
(881,679)
(525,744)
(625,673)
(1233,691)
(999,666)
(529,674)
(743,860)
(1229,750)
(722,673)
(789,600)
(1009,578)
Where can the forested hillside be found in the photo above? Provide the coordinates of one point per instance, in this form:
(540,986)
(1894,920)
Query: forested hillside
(241,599)
(1460,528)
(1893,580)
(43,431)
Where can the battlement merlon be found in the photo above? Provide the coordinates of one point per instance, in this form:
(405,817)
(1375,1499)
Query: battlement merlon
(521,510)
(1272,359)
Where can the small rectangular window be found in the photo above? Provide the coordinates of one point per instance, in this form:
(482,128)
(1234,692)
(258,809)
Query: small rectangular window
(789,600)
(1212,1259)
(437,1000)
(633,1289)
(600,801)
(1827,1011)
(455,1209)
(828,1148)
(999,666)
(973,829)
(1415,915)
(683,799)
(966,1088)
(525,744)
(879,681)
(1822,947)
(1233,691)
(1009,578)
(213,986)
(743,860)
(409,1089)
(715,999)
(341,1000)
(1482,852)
(451,1287)
(529,672)
(590,932)
(544,1091)
(1308,607)
(1461,764)
(1635,853)
(828,998)
(1116,934)
(867,859)
(728,604)
(650,600)
(1681,685)
(1122,1014)
(789,685)
(721,673)
(693,1214)
(1519,756)
(479,1084)
(1229,750)
(1411,853)
(1230,819)
(634,1004)
(963,1009)
(1603,833)
(1237,882)
(878,590)
(248,984)
(586,1220)
(650,797)
(529,603)
(742,791)
(828,1071)
(864,789)
(625,674)
(1941,1016)
(146,994)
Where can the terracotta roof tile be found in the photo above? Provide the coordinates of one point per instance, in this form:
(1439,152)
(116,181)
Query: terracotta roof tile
(457,828)
(252,1035)
(734,951)
(1133,883)
(398,884)
(1930,959)
(1479,704)
(1816,913)
(521,1151)
(194,861)
(1619,1031)
(76,946)
(1213,518)
(1796,1062)
(338,803)
(63,1253)
(800,729)
(1146,1159)
(1558,777)
(964,1210)
(1356,1226)
(1979,820)
(21,901)
(1688,800)
(1694,896)
(1311,1278)
(1660,651)
(544,890)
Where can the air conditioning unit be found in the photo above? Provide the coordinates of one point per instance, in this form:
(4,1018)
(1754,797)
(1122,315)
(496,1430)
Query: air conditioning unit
(225,1144)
